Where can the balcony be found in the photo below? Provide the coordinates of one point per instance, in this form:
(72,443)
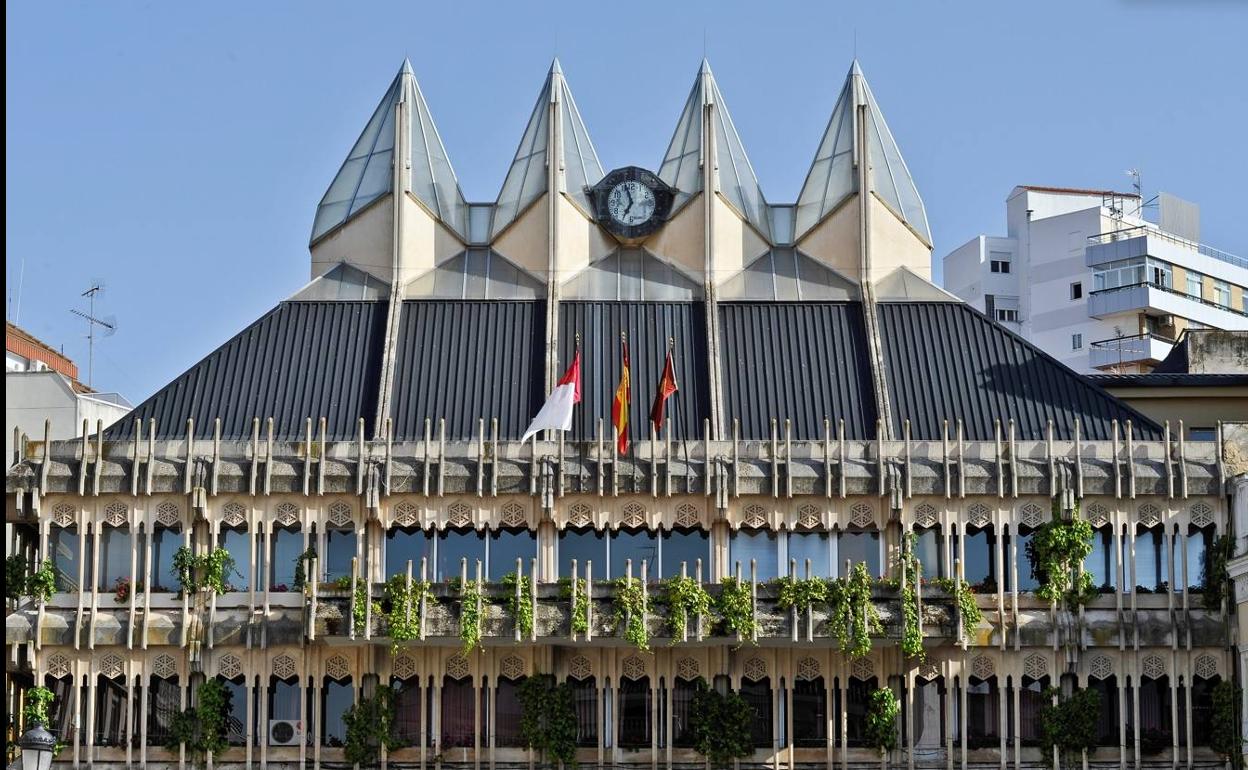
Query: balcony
(1158,299)
(1126,351)
(1148,241)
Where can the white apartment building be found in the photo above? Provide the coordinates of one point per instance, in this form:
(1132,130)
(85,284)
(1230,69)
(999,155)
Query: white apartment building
(1082,275)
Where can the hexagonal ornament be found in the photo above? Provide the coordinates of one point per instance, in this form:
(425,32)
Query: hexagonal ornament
(169,514)
(687,669)
(634,516)
(457,666)
(111,666)
(116,513)
(1201,515)
(862,515)
(755,517)
(337,667)
(808,669)
(809,517)
(633,668)
(58,665)
(926,515)
(979,515)
(687,516)
(580,668)
(286,514)
(1098,515)
(1031,515)
(165,667)
(340,514)
(862,669)
(404,666)
(284,667)
(458,515)
(580,515)
(514,515)
(1036,666)
(1206,667)
(755,670)
(406,514)
(234,514)
(1153,667)
(1100,667)
(983,666)
(230,666)
(1149,515)
(512,667)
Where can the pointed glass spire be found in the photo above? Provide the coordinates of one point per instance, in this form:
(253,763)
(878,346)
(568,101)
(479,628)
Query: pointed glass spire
(681,167)
(526,179)
(831,178)
(366,173)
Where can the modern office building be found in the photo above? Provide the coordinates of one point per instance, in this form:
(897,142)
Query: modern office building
(1082,275)
(834,409)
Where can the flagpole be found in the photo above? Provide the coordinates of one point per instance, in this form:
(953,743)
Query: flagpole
(671,348)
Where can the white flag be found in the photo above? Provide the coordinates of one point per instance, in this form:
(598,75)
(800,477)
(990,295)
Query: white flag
(556,413)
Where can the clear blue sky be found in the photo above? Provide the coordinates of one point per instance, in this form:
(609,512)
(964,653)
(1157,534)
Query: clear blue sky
(177,152)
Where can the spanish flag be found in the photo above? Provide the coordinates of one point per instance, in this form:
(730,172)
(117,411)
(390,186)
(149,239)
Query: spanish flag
(622,401)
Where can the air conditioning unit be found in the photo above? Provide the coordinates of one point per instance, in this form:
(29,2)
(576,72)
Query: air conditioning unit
(285,732)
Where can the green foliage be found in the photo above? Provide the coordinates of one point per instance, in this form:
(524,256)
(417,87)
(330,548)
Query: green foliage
(720,725)
(1214,576)
(521,609)
(38,702)
(205,571)
(854,617)
(911,624)
(41,583)
(14,576)
(961,592)
(203,728)
(735,607)
(1057,550)
(370,726)
(630,612)
(882,711)
(800,593)
(359,606)
(301,567)
(548,719)
(685,598)
(1069,725)
(580,610)
(1224,737)
(471,606)
(401,608)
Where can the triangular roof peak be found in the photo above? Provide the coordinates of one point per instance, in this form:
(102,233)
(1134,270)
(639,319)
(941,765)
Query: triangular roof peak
(831,178)
(367,172)
(682,163)
(526,180)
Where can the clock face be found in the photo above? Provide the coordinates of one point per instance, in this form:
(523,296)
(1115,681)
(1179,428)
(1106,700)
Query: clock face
(631,203)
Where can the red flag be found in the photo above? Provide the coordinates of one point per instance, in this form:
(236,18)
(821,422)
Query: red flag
(665,390)
(623,399)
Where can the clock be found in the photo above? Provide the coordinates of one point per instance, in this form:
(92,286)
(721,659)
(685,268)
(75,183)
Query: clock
(631,202)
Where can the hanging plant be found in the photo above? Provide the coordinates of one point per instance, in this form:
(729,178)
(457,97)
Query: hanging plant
(800,593)
(580,608)
(630,612)
(14,576)
(41,583)
(1214,578)
(38,707)
(735,607)
(471,604)
(122,588)
(685,598)
(203,728)
(1068,724)
(1225,737)
(548,719)
(911,624)
(1057,549)
(359,606)
(854,617)
(401,608)
(208,570)
(882,711)
(964,595)
(217,564)
(369,727)
(521,609)
(720,725)
(301,567)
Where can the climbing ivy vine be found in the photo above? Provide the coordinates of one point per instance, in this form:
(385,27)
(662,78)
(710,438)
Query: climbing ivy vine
(630,612)
(38,702)
(720,725)
(1225,737)
(961,592)
(548,719)
(1068,724)
(580,608)
(14,576)
(401,608)
(800,593)
(882,711)
(203,727)
(854,617)
(1214,576)
(370,727)
(521,609)
(911,570)
(208,570)
(735,607)
(1057,549)
(471,606)
(41,583)
(301,567)
(685,598)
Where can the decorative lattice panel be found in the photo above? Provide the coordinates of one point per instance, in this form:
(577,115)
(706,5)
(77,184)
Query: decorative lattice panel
(862,515)
(457,666)
(337,667)
(687,515)
(404,666)
(406,514)
(926,515)
(580,515)
(755,669)
(229,666)
(111,666)
(929,671)
(1031,515)
(633,668)
(1097,515)
(1153,667)
(284,667)
(514,515)
(63,515)
(168,514)
(862,669)
(458,515)
(1201,515)
(1100,667)
(234,514)
(687,669)
(808,517)
(983,666)
(580,668)
(808,669)
(58,665)
(286,514)
(634,516)
(116,513)
(979,515)
(755,516)
(1036,666)
(511,667)
(1149,515)
(165,667)
(1206,667)
(340,513)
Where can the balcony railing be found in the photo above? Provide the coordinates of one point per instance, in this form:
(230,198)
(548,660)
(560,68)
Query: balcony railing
(1141,230)
(1169,290)
(1128,350)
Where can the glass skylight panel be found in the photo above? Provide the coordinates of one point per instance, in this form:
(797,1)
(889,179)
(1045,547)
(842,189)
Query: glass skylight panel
(831,176)
(681,168)
(343,282)
(582,168)
(736,176)
(476,274)
(787,275)
(432,178)
(526,179)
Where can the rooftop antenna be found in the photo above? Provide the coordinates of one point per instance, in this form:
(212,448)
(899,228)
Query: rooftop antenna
(109,325)
(15,303)
(1137,184)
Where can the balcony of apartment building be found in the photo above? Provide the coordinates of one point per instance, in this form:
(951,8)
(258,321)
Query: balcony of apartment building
(1134,353)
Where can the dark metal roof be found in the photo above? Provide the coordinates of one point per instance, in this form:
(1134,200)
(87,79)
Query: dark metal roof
(300,360)
(648,325)
(468,360)
(798,361)
(947,360)
(1168,380)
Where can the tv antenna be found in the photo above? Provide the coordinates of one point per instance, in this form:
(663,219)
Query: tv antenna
(109,325)
(1137,184)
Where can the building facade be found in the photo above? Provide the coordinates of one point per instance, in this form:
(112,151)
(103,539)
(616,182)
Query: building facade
(835,409)
(1082,275)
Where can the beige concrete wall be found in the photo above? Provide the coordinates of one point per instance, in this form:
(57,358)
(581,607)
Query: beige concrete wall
(581,240)
(682,240)
(364,241)
(526,242)
(426,242)
(834,241)
(1196,407)
(736,242)
(895,245)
